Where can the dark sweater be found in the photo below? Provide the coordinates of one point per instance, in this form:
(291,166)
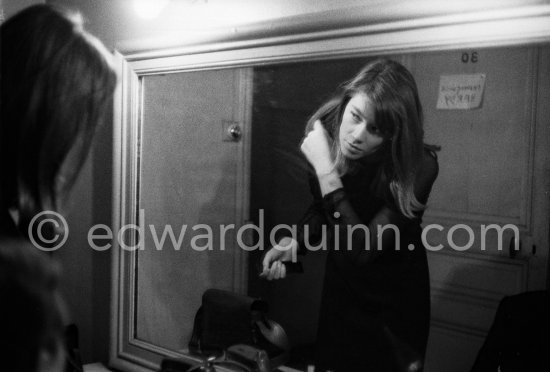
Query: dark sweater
(375,305)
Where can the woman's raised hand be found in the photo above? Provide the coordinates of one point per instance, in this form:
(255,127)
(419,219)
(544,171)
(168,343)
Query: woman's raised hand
(316,148)
(272,266)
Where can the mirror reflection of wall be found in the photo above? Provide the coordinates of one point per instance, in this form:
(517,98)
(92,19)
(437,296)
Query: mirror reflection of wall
(492,170)
(188,187)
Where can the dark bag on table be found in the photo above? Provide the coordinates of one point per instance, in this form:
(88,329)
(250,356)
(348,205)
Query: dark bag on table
(227,319)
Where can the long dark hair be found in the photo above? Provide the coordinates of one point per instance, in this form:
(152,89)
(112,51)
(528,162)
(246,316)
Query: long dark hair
(57,83)
(398,114)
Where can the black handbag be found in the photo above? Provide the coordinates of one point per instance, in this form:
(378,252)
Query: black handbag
(226,319)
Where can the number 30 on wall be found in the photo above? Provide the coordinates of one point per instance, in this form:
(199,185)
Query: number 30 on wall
(469,57)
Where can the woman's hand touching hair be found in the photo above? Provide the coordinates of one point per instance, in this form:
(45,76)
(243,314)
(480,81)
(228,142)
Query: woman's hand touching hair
(316,148)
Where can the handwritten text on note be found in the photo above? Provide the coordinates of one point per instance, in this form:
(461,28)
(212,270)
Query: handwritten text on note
(460,92)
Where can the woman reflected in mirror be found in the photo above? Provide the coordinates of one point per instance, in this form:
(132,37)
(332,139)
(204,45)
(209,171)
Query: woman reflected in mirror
(371,176)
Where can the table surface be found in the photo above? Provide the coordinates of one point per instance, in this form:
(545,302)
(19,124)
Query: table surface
(99,367)
(95,367)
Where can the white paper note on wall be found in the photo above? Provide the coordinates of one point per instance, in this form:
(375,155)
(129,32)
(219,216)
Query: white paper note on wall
(460,92)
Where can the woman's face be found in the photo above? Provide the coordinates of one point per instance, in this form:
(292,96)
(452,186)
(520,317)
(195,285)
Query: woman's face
(359,135)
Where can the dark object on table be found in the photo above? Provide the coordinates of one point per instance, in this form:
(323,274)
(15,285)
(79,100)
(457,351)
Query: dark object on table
(226,319)
(519,338)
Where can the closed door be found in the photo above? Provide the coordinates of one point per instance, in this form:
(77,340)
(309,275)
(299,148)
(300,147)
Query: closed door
(493,178)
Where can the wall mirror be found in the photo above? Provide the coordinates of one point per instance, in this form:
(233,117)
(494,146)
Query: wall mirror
(206,143)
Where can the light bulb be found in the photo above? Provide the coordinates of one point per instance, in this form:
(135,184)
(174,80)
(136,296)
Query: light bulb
(149,9)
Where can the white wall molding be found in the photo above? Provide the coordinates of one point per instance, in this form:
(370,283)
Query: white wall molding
(509,26)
